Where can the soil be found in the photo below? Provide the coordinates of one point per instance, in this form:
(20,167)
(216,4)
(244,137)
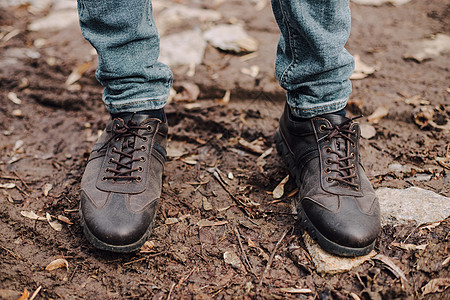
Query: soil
(49,139)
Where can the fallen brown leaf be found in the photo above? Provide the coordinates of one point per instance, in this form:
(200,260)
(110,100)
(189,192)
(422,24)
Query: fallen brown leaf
(278,192)
(378,114)
(437,285)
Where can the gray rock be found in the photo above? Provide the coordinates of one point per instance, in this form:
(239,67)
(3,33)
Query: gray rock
(412,205)
(329,263)
(185,48)
(231,38)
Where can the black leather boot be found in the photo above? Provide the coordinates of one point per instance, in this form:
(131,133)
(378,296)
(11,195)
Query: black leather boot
(337,204)
(121,185)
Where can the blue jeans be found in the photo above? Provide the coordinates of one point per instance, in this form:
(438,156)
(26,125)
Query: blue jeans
(312,63)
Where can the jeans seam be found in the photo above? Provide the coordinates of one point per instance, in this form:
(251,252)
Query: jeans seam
(291,46)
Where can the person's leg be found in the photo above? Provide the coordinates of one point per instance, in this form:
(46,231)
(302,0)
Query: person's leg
(127,42)
(312,63)
(121,185)
(336,204)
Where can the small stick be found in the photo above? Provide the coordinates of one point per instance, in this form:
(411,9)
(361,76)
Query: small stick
(183,279)
(36,292)
(247,262)
(21,180)
(272,256)
(170,291)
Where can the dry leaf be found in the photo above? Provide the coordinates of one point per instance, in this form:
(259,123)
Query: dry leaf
(361,69)
(417,100)
(429,48)
(278,192)
(77,73)
(147,247)
(56,264)
(391,266)
(296,291)
(410,246)
(253,71)
(9,185)
(437,285)
(14,99)
(378,114)
(226,98)
(24,295)
(54,224)
(32,215)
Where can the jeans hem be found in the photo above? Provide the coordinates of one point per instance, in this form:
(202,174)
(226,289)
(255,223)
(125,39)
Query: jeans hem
(335,106)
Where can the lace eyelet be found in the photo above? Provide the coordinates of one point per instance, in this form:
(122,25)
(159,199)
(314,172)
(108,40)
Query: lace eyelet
(352,155)
(143,148)
(328,162)
(110,161)
(142,158)
(140,169)
(352,145)
(328,170)
(144,139)
(114,149)
(357,188)
(328,150)
(329,179)
(353,166)
(139,178)
(104,178)
(322,128)
(149,128)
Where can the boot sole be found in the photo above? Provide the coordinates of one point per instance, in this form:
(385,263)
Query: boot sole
(97,243)
(323,241)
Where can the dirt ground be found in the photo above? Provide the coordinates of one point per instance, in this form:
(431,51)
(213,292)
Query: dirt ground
(47,138)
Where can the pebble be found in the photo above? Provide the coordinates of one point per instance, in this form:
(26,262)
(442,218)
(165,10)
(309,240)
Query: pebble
(182,48)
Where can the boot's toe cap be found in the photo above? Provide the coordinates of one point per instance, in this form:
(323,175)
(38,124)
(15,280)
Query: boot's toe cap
(114,224)
(347,226)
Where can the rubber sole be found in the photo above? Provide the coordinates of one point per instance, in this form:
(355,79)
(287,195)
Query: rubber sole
(323,241)
(97,243)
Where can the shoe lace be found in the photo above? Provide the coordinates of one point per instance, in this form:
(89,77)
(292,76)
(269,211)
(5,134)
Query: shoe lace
(345,171)
(123,165)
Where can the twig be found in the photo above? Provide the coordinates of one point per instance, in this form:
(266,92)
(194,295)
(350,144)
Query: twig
(16,256)
(170,291)
(23,181)
(247,262)
(272,256)
(183,279)
(133,261)
(36,292)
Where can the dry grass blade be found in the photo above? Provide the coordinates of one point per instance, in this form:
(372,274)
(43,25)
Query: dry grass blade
(296,291)
(391,266)
(272,256)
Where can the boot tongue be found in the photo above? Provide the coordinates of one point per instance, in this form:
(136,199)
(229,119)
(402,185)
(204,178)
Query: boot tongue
(335,119)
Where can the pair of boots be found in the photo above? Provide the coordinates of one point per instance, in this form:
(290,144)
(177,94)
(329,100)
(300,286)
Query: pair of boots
(121,186)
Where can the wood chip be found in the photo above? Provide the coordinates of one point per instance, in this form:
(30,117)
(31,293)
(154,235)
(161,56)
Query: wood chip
(14,99)
(171,221)
(25,295)
(46,189)
(255,146)
(64,219)
(54,224)
(56,264)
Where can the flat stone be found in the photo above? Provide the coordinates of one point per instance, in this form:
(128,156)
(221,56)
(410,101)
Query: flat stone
(231,38)
(184,48)
(412,205)
(330,264)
